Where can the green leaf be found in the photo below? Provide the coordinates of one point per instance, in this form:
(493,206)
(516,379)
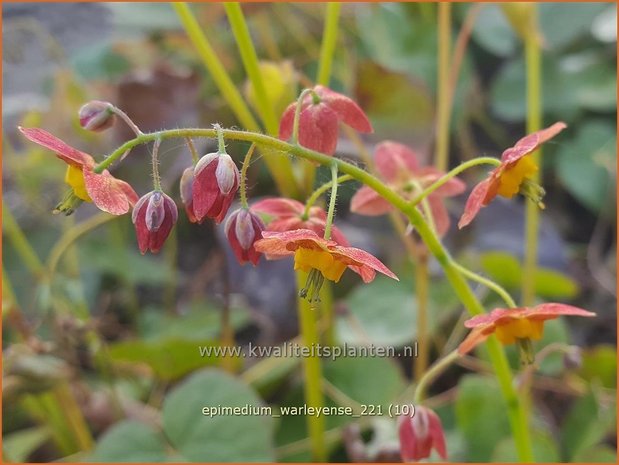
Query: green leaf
(599,364)
(587,424)
(542,443)
(222,438)
(367,380)
(598,454)
(100,62)
(480,416)
(19,445)
(507,271)
(493,32)
(563,23)
(170,358)
(130,441)
(587,164)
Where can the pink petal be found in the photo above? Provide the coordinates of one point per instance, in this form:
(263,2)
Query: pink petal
(553,310)
(131,195)
(474,338)
(364,260)
(494,316)
(279,207)
(63,150)
(394,160)
(440,215)
(279,244)
(530,142)
(318,129)
(437,434)
(367,202)
(475,202)
(107,193)
(347,110)
(286,122)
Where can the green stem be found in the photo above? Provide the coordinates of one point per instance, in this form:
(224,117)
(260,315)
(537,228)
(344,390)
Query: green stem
(128,121)
(422,282)
(221,141)
(297,115)
(192,149)
(489,284)
(252,67)
(534,116)
(280,168)
(332,201)
(453,173)
(18,240)
(515,411)
(431,374)
(329,41)
(155,165)
(321,190)
(443,97)
(313,374)
(244,168)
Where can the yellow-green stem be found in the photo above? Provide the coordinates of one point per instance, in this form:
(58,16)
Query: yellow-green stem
(280,168)
(321,190)
(332,201)
(489,284)
(244,168)
(443,91)
(422,282)
(313,373)
(252,67)
(329,41)
(534,116)
(327,314)
(18,240)
(431,374)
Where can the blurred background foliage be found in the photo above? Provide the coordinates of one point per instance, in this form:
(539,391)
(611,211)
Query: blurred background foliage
(101,342)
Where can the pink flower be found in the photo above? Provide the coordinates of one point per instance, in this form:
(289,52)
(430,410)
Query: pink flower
(513,324)
(313,252)
(215,182)
(398,166)
(96,116)
(108,193)
(319,118)
(288,215)
(512,175)
(154,216)
(186,190)
(420,434)
(243,229)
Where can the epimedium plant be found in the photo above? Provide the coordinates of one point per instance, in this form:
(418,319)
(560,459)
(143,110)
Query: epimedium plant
(282,227)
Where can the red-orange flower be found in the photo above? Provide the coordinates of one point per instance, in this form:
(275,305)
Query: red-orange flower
(512,176)
(512,325)
(420,434)
(324,259)
(104,190)
(399,167)
(318,121)
(288,215)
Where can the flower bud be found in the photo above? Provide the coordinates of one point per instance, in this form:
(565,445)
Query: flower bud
(96,115)
(243,229)
(420,434)
(186,189)
(153,216)
(215,182)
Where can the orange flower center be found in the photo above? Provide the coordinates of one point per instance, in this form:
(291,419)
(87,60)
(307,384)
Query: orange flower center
(512,178)
(321,260)
(521,328)
(75,178)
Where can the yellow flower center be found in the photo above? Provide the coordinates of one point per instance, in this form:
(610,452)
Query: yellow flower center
(512,178)
(75,178)
(522,328)
(306,259)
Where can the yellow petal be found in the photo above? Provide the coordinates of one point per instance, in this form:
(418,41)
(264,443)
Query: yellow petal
(520,328)
(512,178)
(75,178)
(306,259)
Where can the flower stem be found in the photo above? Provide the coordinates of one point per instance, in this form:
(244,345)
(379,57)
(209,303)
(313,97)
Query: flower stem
(332,201)
(313,373)
(422,282)
(19,241)
(244,168)
(443,97)
(432,373)
(297,115)
(534,116)
(329,41)
(489,284)
(453,173)
(155,165)
(221,141)
(250,62)
(192,149)
(128,121)
(321,190)
(517,415)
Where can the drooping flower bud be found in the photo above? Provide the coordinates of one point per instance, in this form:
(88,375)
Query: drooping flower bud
(243,229)
(215,182)
(186,189)
(420,434)
(96,115)
(154,216)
